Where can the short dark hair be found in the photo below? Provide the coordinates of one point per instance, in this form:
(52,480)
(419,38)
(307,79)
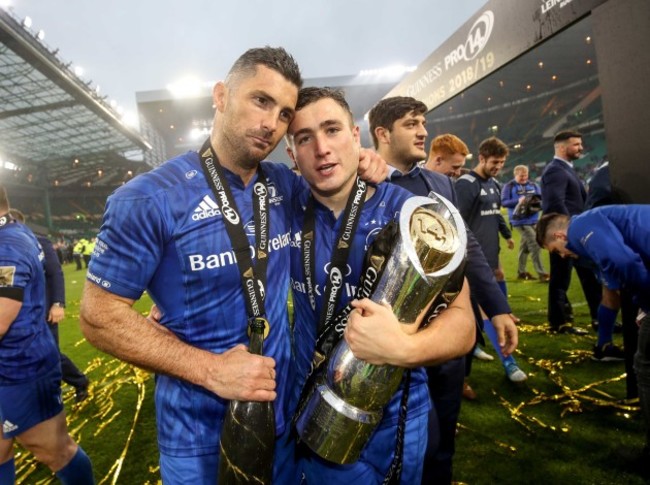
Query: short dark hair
(389,110)
(565,135)
(550,221)
(309,95)
(493,147)
(275,58)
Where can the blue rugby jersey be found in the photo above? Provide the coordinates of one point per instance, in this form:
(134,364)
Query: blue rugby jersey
(27,349)
(479,202)
(617,239)
(164,232)
(381,208)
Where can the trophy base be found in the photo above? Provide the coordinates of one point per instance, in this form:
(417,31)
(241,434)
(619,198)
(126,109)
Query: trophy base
(334,429)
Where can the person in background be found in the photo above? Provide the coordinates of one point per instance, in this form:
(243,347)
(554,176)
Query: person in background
(521,197)
(599,193)
(398,131)
(55,306)
(77,252)
(31,407)
(479,202)
(563,192)
(88,251)
(616,239)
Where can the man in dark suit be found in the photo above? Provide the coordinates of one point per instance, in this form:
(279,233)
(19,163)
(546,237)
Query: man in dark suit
(563,192)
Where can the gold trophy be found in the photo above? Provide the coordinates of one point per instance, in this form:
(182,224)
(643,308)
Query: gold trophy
(346,403)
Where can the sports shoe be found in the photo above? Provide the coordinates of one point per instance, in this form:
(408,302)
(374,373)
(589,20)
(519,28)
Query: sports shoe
(608,353)
(544,277)
(570,329)
(514,373)
(481,354)
(525,276)
(468,392)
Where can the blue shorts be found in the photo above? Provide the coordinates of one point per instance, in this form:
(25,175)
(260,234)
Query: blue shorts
(24,405)
(203,469)
(375,460)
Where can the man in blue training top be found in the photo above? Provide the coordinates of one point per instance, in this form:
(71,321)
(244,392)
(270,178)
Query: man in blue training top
(516,196)
(167,231)
(31,407)
(324,142)
(616,239)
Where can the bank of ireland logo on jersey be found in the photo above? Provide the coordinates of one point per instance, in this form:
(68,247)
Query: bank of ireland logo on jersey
(207,208)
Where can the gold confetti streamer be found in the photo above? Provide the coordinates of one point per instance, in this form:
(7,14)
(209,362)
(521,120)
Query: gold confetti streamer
(108,378)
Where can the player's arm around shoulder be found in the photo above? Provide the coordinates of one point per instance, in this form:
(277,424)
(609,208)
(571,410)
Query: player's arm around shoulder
(374,334)
(110,323)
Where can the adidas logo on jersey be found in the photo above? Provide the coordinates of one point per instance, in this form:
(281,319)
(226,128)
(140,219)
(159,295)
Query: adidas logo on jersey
(8,427)
(206,209)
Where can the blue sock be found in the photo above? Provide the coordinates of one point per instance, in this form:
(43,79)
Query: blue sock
(8,472)
(503,287)
(606,322)
(494,340)
(79,471)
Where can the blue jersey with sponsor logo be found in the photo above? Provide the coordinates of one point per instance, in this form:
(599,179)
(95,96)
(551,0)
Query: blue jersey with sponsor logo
(381,208)
(27,349)
(617,239)
(164,232)
(479,202)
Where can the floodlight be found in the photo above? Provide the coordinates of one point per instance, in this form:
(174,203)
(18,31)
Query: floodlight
(199,133)
(187,87)
(129,118)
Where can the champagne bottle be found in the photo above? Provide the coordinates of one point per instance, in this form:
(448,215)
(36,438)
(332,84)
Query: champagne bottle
(248,433)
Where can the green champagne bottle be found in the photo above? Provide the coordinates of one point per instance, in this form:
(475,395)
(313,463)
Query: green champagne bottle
(248,433)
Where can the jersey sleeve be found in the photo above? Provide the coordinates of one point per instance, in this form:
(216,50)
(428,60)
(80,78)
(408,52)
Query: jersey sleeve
(509,196)
(14,274)
(481,280)
(466,192)
(603,243)
(504,230)
(130,245)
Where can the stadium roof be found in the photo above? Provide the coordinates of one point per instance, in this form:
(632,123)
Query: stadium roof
(55,129)
(184,122)
(553,87)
